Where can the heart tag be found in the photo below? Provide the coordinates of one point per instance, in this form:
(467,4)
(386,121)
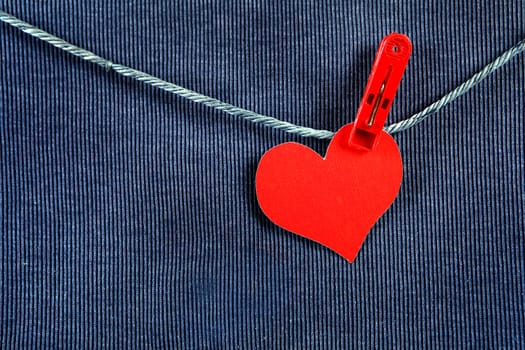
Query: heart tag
(333,200)
(337,199)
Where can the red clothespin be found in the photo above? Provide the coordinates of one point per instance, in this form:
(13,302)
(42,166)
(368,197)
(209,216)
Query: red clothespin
(387,71)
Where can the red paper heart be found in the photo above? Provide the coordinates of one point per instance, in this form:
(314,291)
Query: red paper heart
(335,200)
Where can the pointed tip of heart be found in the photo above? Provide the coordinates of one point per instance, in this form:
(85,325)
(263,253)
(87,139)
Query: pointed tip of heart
(349,256)
(350,259)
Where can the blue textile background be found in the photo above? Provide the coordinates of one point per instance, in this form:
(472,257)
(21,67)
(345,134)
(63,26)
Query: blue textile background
(129,217)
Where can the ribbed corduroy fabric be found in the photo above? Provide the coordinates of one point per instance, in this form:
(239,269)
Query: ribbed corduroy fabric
(129,217)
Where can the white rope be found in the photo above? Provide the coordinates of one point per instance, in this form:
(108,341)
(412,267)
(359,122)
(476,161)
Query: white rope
(244,113)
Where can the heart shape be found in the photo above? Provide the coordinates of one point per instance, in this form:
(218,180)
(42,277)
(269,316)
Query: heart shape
(335,200)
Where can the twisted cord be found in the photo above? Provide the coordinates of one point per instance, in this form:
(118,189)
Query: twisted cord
(247,114)
(458,91)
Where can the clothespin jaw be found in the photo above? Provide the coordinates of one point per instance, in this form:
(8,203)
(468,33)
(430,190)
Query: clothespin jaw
(387,71)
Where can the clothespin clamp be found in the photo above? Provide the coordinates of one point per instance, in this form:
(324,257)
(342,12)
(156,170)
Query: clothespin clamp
(387,71)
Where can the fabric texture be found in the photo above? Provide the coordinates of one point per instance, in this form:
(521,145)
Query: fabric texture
(129,217)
